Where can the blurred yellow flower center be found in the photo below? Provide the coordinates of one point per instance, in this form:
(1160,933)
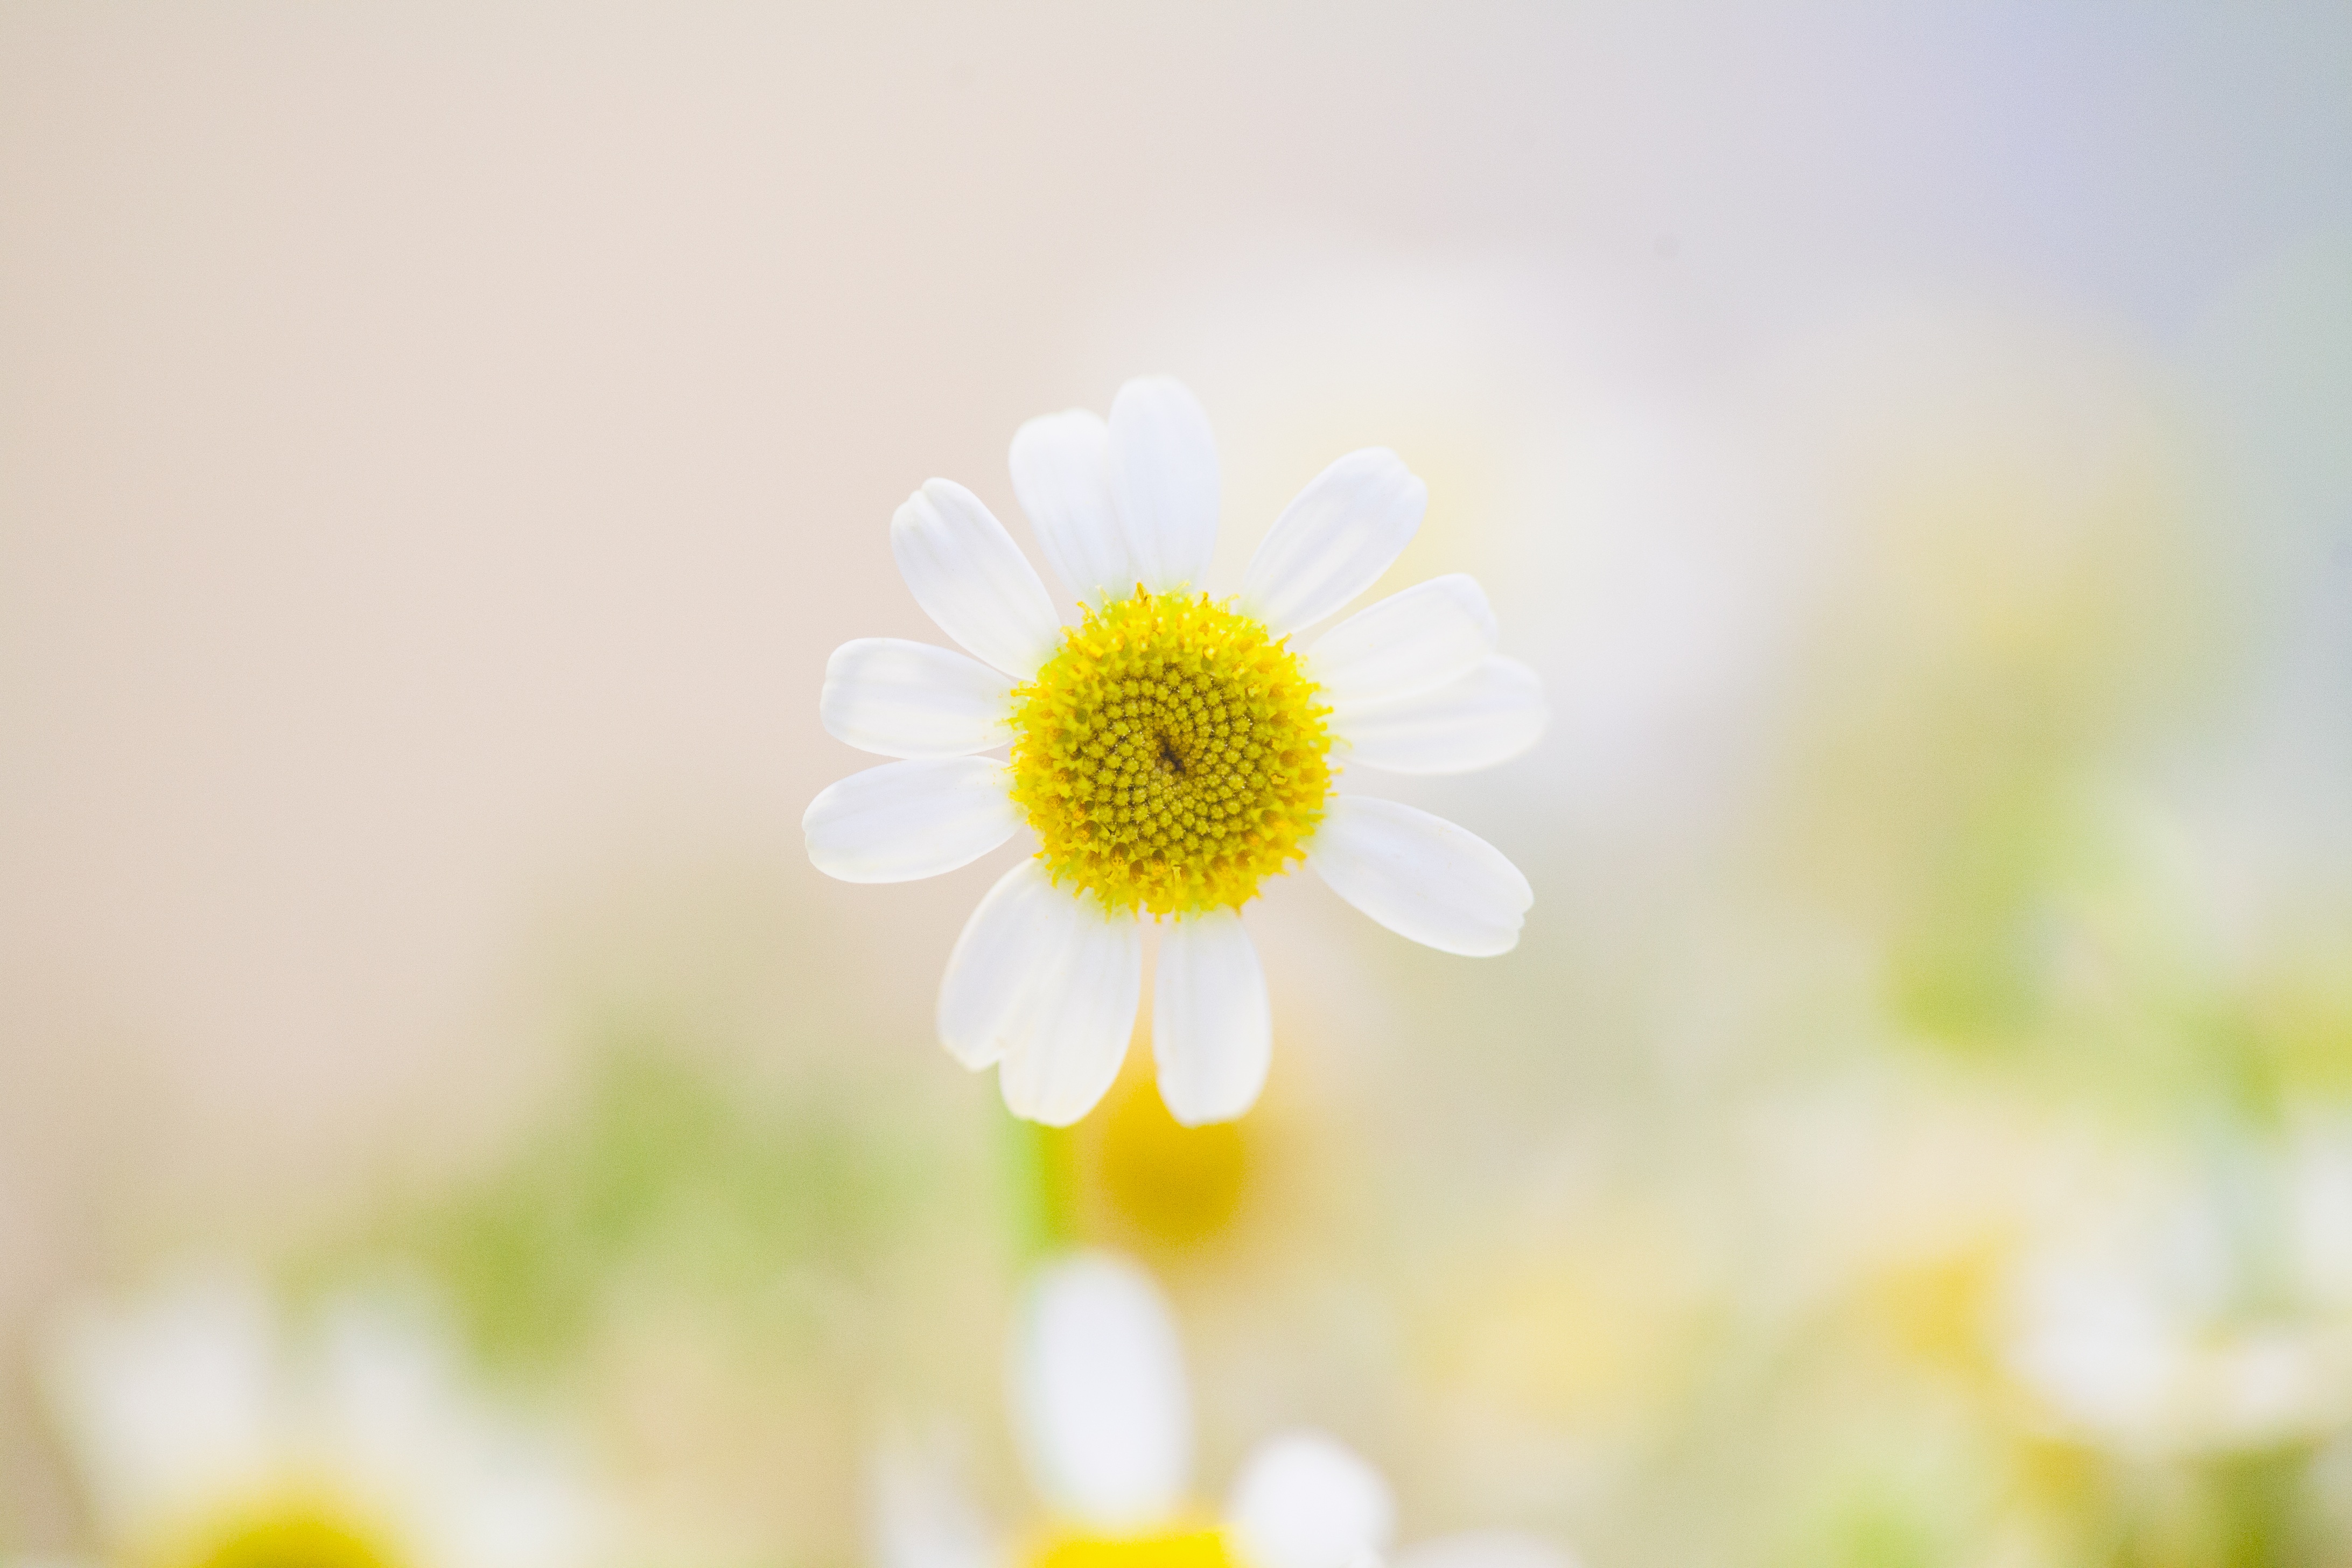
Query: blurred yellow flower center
(1171,756)
(1181,1548)
(1180,1186)
(303,1539)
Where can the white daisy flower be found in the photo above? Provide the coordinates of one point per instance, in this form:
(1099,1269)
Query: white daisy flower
(1103,1415)
(1170,752)
(2200,1322)
(206,1436)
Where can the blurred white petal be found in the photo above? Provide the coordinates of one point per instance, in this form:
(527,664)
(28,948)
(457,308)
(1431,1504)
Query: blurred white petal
(521,1504)
(902,699)
(1008,945)
(1164,475)
(920,1516)
(1488,715)
(907,820)
(971,578)
(382,1383)
(177,1399)
(1421,876)
(1098,1380)
(1061,471)
(1424,635)
(2096,1348)
(1332,543)
(2271,1385)
(1306,1500)
(1211,1031)
(2320,1214)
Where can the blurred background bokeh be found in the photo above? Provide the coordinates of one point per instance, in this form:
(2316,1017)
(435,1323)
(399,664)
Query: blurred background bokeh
(440,443)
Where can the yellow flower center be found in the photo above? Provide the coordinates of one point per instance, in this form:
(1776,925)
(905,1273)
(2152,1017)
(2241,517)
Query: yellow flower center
(1131,1177)
(1180,1549)
(295,1538)
(1170,755)
(1179,1186)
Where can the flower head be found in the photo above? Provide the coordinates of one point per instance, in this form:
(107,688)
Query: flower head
(1169,751)
(1171,756)
(2198,1317)
(207,1438)
(1103,1412)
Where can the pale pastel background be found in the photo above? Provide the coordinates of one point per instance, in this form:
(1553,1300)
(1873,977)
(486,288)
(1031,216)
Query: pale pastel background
(440,443)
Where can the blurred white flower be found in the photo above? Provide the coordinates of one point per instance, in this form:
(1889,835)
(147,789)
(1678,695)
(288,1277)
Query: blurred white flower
(2207,1320)
(1170,752)
(1104,1415)
(206,1436)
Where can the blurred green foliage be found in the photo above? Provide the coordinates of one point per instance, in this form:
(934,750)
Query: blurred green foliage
(668,1174)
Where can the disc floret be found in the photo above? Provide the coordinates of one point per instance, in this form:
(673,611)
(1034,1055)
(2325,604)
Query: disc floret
(1179,1547)
(1171,755)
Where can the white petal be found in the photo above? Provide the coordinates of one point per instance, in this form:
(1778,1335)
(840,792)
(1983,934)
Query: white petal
(503,1499)
(1212,1033)
(906,698)
(1061,471)
(1488,716)
(1098,1380)
(516,1508)
(1485,1549)
(1306,1500)
(906,820)
(922,1516)
(173,1401)
(1421,636)
(1335,539)
(385,1381)
(1007,945)
(1421,876)
(1069,1033)
(1163,464)
(970,577)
